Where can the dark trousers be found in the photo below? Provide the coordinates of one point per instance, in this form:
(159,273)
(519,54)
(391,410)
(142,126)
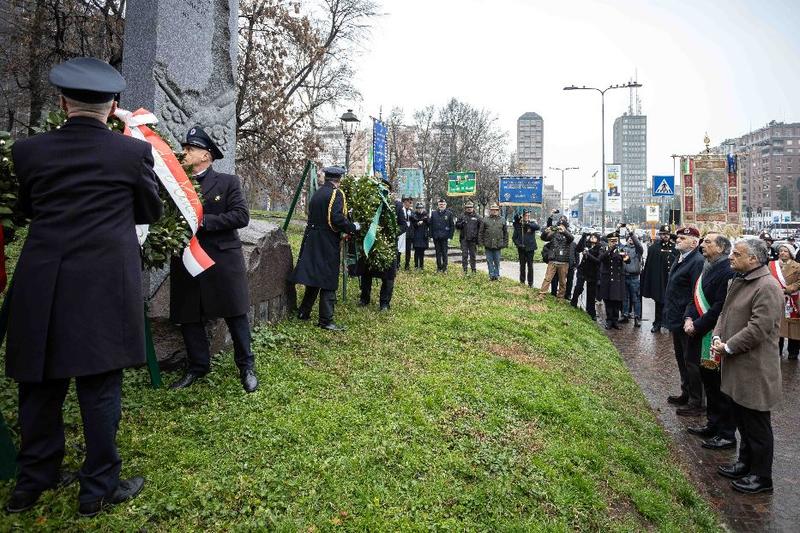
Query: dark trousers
(196,340)
(792,348)
(387,288)
(526,266)
(468,252)
(659,312)
(419,257)
(613,308)
(567,285)
(591,294)
(441,254)
(42,430)
(756,447)
(408,252)
(687,355)
(719,409)
(327,300)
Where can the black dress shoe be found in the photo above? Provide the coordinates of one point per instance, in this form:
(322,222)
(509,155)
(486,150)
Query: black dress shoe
(681,399)
(637,323)
(20,501)
(615,326)
(624,320)
(303,316)
(187,379)
(249,380)
(718,443)
(734,470)
(701,431)
(126,490)
(332,327)
(656,328)
(753,484)
(690,410)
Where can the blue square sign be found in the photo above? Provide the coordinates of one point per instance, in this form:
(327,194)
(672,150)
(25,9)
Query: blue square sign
(663,185)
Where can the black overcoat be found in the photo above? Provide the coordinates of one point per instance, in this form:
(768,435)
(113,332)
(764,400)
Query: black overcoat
(221,291)
(680,287)
(77,307)
(612,275)
(420,234)
(320,252)
(660,258)
(715,287)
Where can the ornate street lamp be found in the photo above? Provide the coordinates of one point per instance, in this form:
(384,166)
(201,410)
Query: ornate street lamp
(349,127)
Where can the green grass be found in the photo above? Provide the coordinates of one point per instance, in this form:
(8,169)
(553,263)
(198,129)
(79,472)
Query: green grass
(469,406)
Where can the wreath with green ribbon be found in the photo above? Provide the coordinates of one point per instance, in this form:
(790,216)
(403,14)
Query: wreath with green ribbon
(368,200)
(166,238)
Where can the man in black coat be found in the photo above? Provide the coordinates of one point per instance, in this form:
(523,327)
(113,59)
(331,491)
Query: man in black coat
(524,238)
(680,289)
(713,285)
(612,279)
(442,228)
(222,290)
(76,305)
(318,262)
(660,257)
(589,245)
(469,227)
(387,276)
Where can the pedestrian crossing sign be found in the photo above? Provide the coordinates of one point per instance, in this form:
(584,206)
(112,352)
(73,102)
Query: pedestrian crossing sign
(663,185)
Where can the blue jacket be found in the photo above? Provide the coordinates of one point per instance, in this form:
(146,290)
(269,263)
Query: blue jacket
(680,289)
(442,224)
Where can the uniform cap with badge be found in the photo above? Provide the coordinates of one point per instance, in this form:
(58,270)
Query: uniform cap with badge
(198,138)
(88,80)
(664,229)
(333,172)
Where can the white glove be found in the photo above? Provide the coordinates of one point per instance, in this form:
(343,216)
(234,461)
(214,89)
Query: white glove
(357,225)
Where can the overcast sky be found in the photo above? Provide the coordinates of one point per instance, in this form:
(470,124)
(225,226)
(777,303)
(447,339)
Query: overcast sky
(723,67)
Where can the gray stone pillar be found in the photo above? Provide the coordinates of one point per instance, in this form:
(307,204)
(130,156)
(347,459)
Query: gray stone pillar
(179,59)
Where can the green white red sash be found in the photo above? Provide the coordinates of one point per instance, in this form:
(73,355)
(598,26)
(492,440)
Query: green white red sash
(707,358)
(792,309)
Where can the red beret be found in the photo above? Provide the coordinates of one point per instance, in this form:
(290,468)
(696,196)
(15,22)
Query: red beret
(688,231)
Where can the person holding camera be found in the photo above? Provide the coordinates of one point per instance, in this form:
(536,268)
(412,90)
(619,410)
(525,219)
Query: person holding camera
(612,278)
(632,305)
(560,239)
(589,244)
(524,239)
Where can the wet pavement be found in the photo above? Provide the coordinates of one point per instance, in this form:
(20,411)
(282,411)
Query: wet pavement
(651,360)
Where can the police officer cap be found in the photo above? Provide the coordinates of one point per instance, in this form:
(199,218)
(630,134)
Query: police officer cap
(766,237)
(406,197)
(688,231)
(333,172)
(494,207)
(613,235)
(442,201)
(87,80)
(469,203)
(664,228)
(199,138)
(419,205)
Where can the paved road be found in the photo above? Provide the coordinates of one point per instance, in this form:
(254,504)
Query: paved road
(651,360)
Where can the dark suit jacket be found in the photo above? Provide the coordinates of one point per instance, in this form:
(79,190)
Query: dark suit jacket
(222,290)
(680,287)
(318,263)
(77,305)
(715,287)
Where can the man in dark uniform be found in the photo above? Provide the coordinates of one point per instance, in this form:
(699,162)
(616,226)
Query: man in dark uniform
(387,276)
(220,291)
(767,238)
(442,228)
(660,257)
(318,263)
(76,301)
(612,279)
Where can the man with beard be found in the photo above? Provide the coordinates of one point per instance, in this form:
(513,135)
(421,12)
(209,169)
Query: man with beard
(660,257)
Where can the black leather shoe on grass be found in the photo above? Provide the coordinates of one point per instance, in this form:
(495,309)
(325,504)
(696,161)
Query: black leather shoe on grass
(718,443)
(332,327)
(249,380)
(734,470)
(21,501)
(126,490)
(186,381)
(752,484)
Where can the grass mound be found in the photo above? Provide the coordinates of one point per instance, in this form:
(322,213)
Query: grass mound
(469,406)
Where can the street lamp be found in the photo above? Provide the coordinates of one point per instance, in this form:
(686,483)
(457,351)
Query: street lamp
(349,127)
(629,85)
(562,182)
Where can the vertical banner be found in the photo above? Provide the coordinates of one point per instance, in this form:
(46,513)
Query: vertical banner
(409,182)
(379,144)
(734,217)
(613,187)
(687,167)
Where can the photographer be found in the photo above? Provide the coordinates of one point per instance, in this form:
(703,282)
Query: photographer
(560,239)
(633,271)
(612,278)
(524,239)
(589,244)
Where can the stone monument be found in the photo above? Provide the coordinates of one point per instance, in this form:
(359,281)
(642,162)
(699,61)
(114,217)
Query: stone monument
(179,59)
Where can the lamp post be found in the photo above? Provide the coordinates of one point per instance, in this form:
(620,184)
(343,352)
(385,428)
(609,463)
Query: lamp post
(629,85)
(562,182)
(349,126)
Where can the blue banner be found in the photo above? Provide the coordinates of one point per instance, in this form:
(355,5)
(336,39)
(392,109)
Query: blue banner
(663,185)
(379,133)
(520,190)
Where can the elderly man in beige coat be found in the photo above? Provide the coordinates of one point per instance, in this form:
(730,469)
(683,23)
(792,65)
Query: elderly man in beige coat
(745,338)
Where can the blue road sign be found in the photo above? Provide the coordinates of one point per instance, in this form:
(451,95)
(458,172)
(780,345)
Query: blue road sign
(663,185)
(574,213)
(520,190)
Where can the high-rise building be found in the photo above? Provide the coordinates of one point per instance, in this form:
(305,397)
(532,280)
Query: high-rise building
(530,139)
(630,151)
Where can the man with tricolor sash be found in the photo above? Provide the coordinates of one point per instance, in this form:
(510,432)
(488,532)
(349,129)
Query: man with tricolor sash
(701,317)
(76,299)
(220,291)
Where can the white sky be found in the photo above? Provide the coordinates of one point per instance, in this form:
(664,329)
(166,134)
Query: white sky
(721,67)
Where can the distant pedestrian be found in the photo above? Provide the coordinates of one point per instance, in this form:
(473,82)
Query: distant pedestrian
(524,239)
(745,339)
(660,257)
(420,234)
(494,237)
(442,228)
(469,226)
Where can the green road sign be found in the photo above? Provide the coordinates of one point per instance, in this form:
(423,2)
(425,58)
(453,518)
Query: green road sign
(461,183)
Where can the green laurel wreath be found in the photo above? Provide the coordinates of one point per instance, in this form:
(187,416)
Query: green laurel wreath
(167,237)
(364,195)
